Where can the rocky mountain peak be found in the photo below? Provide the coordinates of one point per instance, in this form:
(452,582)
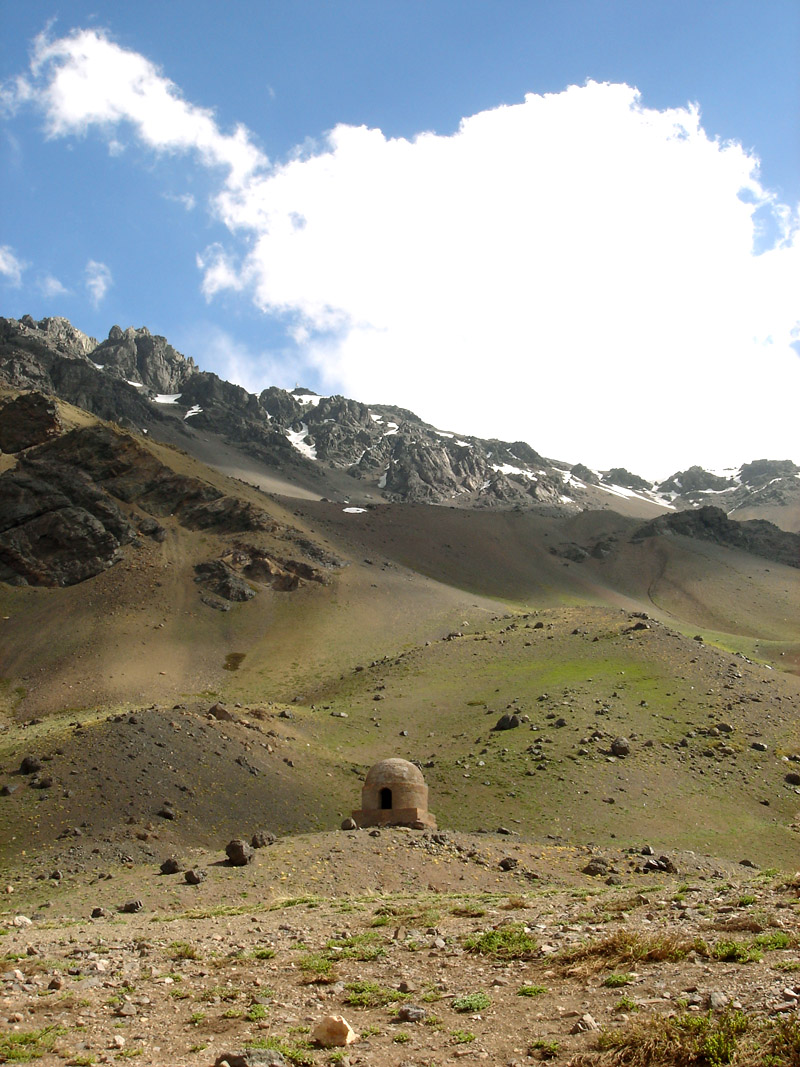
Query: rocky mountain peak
(59,333)
(144,358)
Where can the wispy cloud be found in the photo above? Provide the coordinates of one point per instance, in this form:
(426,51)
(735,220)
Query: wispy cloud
(234,361)
(572,268)
(98,281)
(186,200)
(50,286)
(11,266)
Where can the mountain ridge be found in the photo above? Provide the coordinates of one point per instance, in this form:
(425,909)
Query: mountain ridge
(370,451)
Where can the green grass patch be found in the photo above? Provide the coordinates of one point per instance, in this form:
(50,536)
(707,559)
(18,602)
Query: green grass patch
(511,942)
(531,991)
(471,1002)
(731,951)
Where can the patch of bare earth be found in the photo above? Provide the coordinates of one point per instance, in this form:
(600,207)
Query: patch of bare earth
(430,950)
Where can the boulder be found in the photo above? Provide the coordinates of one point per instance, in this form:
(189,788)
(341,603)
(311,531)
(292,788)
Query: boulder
(508,722)
(239,853)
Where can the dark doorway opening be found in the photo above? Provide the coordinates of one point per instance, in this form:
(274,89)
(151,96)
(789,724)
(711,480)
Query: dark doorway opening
(386,799)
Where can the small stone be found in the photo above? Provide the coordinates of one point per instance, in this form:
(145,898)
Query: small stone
(253,1057)
(718,1000)
(621,746)
(585,1023)
(30,765)
(132,906)
(508,864)
(194,876)
(170,866)
(411,1013)
(261,839)
(349,824)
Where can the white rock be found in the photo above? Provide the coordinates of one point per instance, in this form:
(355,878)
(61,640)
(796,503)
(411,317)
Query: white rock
(333,1030)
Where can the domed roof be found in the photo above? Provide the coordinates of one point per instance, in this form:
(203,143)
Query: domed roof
(394,770)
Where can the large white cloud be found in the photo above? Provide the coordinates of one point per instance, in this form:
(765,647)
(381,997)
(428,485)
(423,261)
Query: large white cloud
(85,80)
(576,269)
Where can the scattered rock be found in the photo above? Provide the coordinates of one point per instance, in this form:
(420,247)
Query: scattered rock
(509,721)
(194,876)
(349,824)
(597,866)
(219,711)
(621,746)
(170,866)
(261,839)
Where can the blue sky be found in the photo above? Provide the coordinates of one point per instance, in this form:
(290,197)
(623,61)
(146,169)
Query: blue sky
(582,268)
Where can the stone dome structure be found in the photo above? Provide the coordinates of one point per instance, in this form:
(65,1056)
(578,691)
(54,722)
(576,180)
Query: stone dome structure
(394,794)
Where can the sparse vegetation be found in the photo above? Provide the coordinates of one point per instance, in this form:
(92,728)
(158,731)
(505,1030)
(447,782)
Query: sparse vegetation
(702,1039)
(364,994)
(543,1049)
(183,950)
(26,1045)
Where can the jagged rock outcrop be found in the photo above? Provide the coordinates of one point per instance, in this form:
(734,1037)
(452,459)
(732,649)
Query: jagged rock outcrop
(620,476)
(712,524)
(62,523)
(27,420)
(57,527)
(694,480)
